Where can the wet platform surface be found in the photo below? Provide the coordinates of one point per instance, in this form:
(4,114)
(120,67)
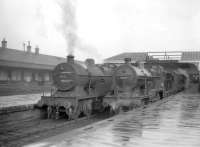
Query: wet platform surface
(172,122)
(17,100)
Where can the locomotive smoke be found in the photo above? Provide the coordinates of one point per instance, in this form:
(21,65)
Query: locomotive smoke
(68,26)
(69,30)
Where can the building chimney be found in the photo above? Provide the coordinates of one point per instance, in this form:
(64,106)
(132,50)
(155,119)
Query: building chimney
(127,60)
(89,62)
(4,43)
(70,59)
(37,50)
(24,46)
(29,47)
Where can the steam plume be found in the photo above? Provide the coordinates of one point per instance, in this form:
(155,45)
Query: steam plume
(68,26)
(41,20)
(69,29)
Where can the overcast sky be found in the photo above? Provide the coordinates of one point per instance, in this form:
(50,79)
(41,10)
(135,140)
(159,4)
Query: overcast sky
(105,27)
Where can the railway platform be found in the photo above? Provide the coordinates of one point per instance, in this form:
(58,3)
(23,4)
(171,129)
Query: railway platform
(19,102)
(171,122)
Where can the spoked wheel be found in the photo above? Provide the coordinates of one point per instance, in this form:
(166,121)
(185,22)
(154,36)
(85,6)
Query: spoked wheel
(72,113)
(112,111)
(49,112)
(86,108)
(76,115)
(57,114)
(69,113)
(117,110)
(52,112)
(88,112)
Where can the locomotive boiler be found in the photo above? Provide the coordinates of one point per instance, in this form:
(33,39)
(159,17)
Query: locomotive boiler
(78,86)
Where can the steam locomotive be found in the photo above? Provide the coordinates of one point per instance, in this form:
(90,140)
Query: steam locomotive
(82,88)
(78,86)
(140,83)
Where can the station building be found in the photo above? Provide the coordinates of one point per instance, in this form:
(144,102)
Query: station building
(25,71)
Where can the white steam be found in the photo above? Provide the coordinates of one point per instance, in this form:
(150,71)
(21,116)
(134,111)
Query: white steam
(68,23)
(69,30)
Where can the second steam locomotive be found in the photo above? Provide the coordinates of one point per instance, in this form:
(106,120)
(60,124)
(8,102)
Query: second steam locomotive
(82,88)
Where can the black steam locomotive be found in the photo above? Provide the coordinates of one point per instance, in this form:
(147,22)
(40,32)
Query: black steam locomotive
(78,86)
(84,88)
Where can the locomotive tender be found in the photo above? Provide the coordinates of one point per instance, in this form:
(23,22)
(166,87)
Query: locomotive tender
(84,88)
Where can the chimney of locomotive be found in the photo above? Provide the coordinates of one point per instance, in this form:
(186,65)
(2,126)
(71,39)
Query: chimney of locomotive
(70,59)
(127,60)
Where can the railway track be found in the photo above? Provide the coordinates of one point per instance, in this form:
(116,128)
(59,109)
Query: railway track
(15,130)
(32,126)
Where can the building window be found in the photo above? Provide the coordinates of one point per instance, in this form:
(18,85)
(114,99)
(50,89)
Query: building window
(15,75)
(3,75)
(38,77)
(27,76)
(46,77)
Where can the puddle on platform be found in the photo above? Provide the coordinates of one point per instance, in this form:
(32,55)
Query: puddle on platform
(175,122)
